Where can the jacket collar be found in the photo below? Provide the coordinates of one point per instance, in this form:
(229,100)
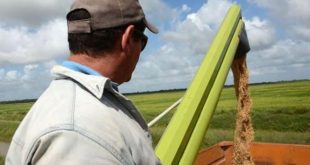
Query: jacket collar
(95,84)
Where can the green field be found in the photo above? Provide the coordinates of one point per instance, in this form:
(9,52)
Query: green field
(281,113)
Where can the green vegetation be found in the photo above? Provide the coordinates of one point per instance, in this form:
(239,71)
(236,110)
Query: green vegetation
(10,116)
(281,113)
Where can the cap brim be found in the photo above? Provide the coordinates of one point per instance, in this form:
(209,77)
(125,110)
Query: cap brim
(151,27)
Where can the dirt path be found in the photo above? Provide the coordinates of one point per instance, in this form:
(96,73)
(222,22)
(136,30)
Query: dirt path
(4,148)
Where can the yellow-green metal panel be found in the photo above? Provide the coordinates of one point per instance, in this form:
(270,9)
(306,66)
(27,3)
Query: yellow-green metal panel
(199,132)
(173,142)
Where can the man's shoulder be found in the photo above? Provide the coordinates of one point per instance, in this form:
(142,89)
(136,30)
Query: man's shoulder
(64,105)
(93,84)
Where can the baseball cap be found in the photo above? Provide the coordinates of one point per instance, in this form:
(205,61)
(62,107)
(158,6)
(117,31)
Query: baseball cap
(107,14)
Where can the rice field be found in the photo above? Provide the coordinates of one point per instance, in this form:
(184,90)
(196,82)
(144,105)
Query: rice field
(280,113)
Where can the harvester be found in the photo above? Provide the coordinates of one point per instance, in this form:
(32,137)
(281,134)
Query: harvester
(183,136)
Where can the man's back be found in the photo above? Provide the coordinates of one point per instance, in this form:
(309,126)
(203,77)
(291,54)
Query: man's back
(76,121)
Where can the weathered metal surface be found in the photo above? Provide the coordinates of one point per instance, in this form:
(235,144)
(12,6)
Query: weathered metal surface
(263,154)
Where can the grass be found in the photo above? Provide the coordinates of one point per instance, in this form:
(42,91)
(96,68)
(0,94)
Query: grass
(281,113)
(151,104)
(2,160)
(10,117)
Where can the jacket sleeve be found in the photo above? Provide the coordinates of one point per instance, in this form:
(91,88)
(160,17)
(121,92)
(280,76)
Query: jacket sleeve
(69,147)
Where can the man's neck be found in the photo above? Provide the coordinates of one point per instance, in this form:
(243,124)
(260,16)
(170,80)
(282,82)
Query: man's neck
(107,65)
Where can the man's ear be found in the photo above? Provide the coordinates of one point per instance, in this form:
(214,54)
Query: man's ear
(126,37)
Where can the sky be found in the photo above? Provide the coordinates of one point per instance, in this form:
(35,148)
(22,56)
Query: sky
(33,38)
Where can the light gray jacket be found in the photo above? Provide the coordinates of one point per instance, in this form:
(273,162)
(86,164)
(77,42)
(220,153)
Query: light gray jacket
(81,119)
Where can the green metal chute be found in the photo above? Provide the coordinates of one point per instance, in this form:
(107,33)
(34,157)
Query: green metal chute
(182,137)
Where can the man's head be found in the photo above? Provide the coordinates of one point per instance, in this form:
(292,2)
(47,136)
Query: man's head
(99,27)
(94,20)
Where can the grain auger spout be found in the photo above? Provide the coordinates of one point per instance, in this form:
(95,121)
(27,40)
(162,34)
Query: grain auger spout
(184,134)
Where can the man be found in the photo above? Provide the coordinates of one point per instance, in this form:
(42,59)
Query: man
(82,118)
